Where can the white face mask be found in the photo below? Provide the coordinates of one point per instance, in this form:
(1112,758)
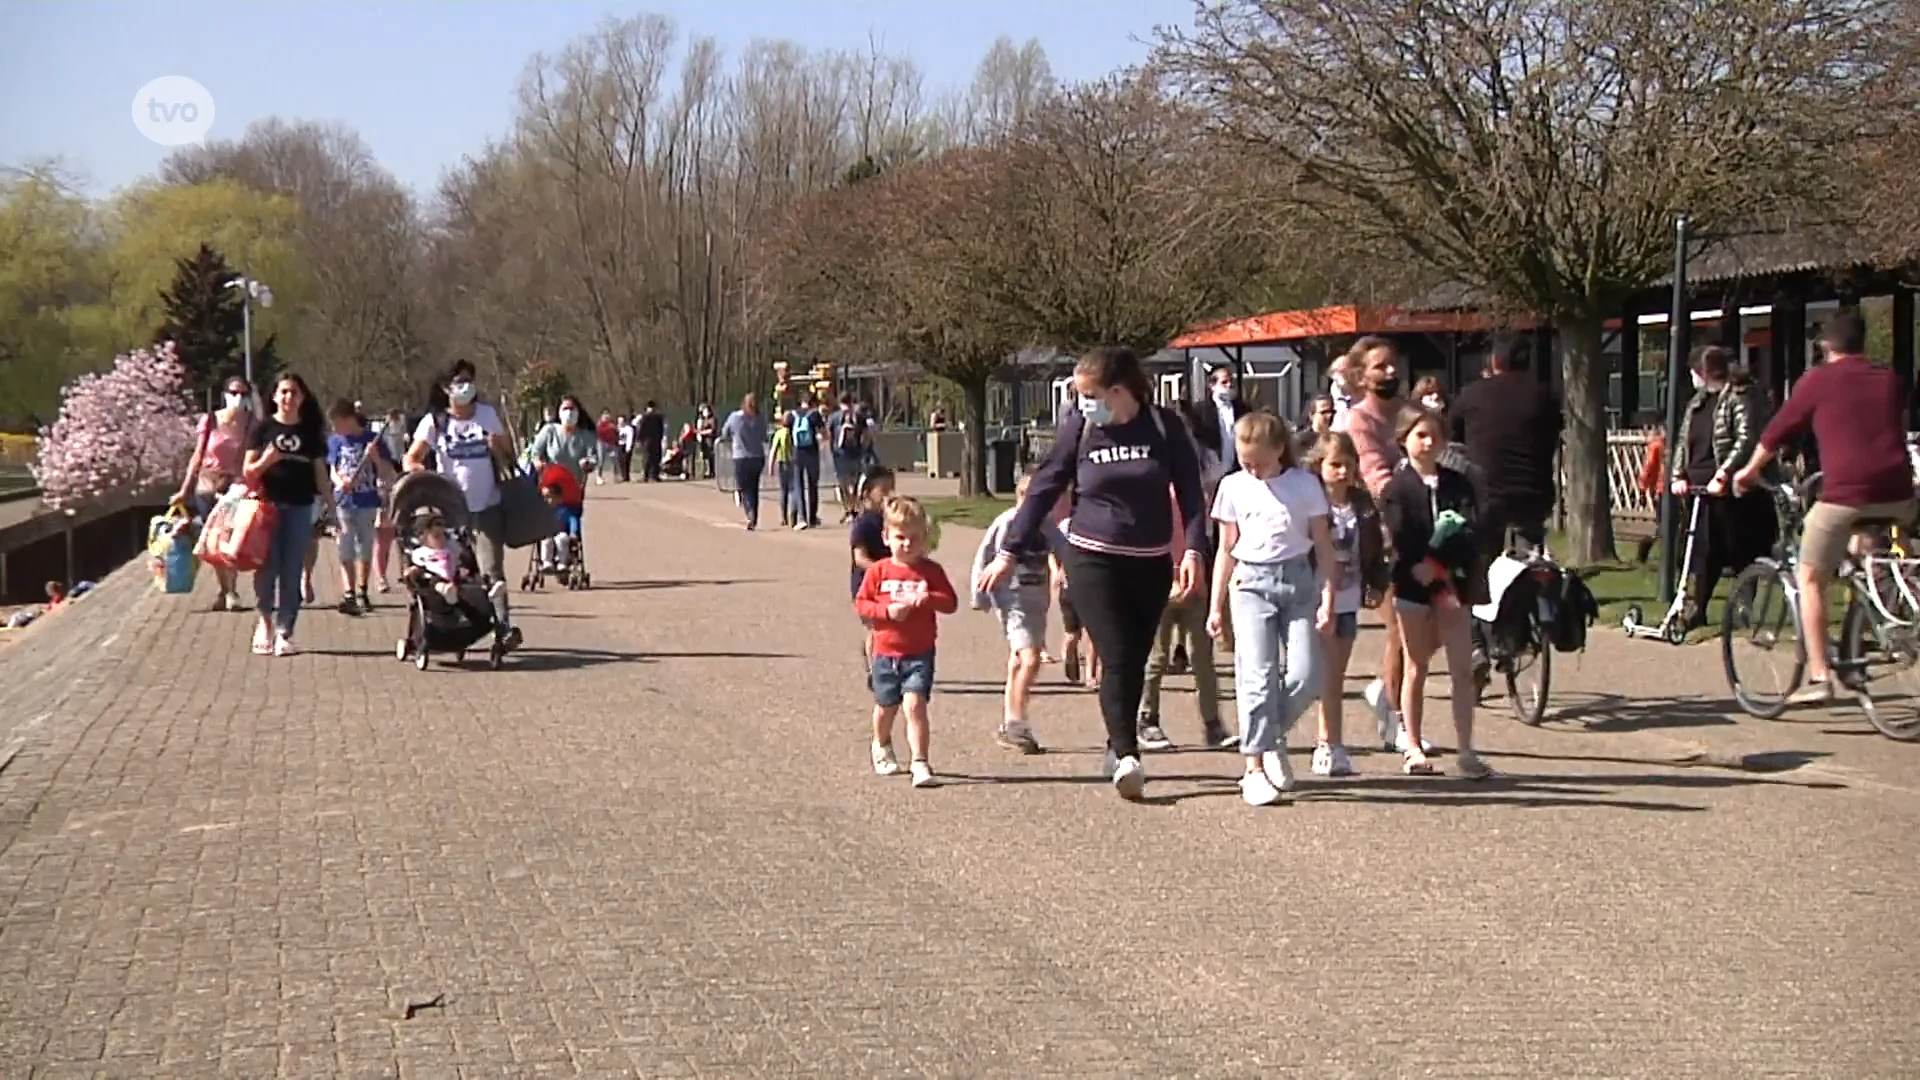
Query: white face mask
(1223,394)
(1698,381)
(461,393)
(239,401)
(1431,401)
(569,417)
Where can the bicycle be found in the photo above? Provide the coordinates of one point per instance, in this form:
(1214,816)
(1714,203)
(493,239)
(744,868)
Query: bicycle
(1531,649)
(1879,638)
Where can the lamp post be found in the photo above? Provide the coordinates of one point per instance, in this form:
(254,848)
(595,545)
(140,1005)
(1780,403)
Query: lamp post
(1679,324)
(251,289)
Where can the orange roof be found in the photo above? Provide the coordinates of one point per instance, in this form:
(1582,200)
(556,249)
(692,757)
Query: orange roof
(1334,321)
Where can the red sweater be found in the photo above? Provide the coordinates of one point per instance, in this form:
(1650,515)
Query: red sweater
(1857,411)
(890,582)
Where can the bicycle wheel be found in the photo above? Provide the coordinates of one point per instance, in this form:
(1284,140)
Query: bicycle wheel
(1882,663)
(1529,676)
(1760,637)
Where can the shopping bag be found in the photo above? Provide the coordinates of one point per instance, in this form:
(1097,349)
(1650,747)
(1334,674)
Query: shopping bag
(238,533)
(526,516)
(170,550)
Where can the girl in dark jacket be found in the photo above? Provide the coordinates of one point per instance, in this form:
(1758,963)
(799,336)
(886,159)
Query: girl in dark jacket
(1429,511)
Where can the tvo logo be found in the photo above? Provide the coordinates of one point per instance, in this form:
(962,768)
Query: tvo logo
(173,110)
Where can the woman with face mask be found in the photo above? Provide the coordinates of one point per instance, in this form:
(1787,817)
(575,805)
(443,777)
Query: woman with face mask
(1120,453)
(571,444)
(219,444)
(468,444)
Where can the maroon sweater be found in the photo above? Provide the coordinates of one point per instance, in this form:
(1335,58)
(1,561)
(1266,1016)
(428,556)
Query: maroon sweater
(1857,411)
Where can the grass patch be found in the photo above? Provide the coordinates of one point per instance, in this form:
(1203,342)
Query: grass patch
(970,511)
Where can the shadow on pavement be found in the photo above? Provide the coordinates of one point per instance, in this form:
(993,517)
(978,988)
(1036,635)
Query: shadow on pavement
(1771,761)
(989,686)
(1618,712)
(670,583)
(534,659)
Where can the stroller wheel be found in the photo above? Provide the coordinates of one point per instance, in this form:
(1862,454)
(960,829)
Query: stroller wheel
(586,580)
(420,660)
(401,649)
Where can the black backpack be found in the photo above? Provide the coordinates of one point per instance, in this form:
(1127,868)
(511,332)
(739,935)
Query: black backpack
(1573,611)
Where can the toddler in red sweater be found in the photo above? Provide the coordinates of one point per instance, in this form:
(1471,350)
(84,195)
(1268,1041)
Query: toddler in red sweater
(900,597)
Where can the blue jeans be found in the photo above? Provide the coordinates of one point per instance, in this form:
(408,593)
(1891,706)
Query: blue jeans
(276,585)
(806,485)
(789,504)
(1276,650)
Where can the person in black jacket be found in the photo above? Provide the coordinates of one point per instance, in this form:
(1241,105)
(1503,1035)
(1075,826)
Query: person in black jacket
(650,440)
(1431,513)
(1213,419)
(1510,425)
(1128,462)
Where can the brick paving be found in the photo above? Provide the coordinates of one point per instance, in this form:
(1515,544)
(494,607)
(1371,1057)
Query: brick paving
(652,847)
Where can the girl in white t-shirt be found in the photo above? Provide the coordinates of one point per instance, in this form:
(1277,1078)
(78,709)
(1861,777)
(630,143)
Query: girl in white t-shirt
(1273,530)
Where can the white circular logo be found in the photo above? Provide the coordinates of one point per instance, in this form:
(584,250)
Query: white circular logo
(173,110)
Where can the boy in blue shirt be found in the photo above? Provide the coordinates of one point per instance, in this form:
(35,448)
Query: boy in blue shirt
(359,463)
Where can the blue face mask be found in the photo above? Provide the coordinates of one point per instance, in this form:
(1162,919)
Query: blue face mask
(1096,410)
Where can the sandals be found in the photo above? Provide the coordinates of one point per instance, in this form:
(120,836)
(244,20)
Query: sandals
(1416,764)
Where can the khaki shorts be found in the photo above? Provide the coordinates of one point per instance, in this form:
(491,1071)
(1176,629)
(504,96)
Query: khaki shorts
(1824,535)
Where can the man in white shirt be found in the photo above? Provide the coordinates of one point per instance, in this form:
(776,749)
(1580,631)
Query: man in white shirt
(1214,420)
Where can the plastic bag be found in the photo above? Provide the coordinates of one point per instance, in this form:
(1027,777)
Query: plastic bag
(238,533)
(170,551)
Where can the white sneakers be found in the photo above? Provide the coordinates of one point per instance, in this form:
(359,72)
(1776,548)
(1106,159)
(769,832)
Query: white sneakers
(1258,789)
(1387,722)
(1278,768)
(1331,760)
(1128,775)
(885,764)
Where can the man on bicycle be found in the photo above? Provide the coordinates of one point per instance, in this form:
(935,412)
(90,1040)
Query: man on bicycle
(1510,425)
(1857,412)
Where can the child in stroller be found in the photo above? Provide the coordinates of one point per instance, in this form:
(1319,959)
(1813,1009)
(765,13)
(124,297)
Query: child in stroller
(453,607)
(562,554)
(679,460)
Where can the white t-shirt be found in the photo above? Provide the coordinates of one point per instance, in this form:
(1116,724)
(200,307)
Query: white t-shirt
(1272,514)
(461,452)
(1345,525)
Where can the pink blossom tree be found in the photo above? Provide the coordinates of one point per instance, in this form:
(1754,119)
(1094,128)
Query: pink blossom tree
(126,429)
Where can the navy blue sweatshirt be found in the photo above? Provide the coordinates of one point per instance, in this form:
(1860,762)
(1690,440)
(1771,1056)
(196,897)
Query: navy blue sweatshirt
(1120,474)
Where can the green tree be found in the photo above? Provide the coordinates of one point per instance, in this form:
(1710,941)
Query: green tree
(206,322)
(53,290)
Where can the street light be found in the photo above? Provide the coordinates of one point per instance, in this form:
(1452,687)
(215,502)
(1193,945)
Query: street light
(251,289)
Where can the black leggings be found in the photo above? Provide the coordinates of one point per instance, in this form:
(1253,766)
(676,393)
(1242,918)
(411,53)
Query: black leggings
(1069,615)
(1120,599)
(746,477)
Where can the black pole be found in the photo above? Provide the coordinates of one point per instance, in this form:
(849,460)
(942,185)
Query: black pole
(1679,326)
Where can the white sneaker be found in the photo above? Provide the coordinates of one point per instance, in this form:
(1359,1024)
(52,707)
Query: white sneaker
(1278,768)
(283,646)
(1400,741)
(262,641)
(1257,790)
(1129,779)
(884,763)
(1329,760)
(1385,720)
(922,774)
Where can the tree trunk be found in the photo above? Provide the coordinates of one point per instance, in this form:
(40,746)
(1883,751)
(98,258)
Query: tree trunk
(1585,496)
(973,456)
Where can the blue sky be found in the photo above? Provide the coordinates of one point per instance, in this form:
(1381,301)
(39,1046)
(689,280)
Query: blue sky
(426,82)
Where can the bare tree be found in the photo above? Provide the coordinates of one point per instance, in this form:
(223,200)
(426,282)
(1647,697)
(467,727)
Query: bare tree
(1538,149)
(1124,223)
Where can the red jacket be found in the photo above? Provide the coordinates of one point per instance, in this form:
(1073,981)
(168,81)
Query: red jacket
(562,477)
(889,582)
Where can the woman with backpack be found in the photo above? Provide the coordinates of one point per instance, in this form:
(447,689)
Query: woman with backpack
(1120,452)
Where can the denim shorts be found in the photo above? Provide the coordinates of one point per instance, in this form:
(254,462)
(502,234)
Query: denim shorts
(1346,625)
(356,532)
(894,677)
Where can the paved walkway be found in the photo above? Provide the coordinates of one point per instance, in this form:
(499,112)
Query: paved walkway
(652,847)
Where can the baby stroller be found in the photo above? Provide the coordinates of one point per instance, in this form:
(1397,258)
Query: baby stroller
(678,463)
(436,624)
(549,557)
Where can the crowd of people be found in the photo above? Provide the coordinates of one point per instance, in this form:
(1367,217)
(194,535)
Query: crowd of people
(1160,531)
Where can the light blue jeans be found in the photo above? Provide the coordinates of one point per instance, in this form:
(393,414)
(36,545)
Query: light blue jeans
(1276,650)
(276,585)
